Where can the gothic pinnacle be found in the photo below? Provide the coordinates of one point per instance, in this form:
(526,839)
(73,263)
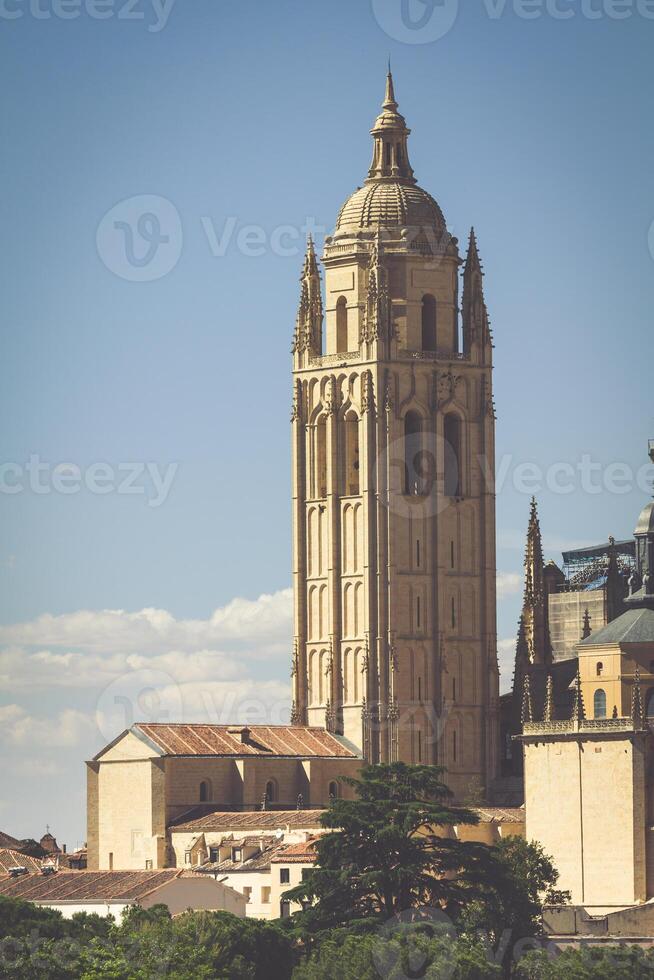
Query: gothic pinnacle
(587,628)
(578,710)
(389,99)
(473,261)
(527,714)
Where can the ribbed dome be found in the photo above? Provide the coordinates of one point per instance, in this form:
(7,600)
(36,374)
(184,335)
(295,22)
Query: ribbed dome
(390,204)
(646,521)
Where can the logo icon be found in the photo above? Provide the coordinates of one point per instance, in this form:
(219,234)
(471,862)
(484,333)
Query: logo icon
(402,949)
(416,21)
(140,239)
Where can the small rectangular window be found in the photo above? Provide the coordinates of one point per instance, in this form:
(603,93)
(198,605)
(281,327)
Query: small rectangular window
(247,891)
(417,554)
(452,554)
(453,613)
(187,857)
(284,876)
(265,895)
(418,611)
(148,865)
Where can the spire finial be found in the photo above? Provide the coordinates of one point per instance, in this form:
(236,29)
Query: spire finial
(389,98)
(587,628)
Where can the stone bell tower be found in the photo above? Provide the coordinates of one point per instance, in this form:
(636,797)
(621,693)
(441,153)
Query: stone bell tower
(393,497)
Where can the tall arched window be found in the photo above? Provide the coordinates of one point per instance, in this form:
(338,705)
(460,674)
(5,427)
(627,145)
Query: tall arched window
(341,325)
(428,322)
(599,704)
(205,791)
(321,458)
(413,455)
(333,790)
(452,435)
(271,791)
(352,482)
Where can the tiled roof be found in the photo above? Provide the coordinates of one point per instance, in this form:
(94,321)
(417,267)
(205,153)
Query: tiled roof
(252,820)
(258,862)
(6,840)
(86,886)
(633,626)
(500,814)
(302,853)
(10,858)
(295,741)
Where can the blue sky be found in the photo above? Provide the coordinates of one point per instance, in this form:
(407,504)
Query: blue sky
(258,114)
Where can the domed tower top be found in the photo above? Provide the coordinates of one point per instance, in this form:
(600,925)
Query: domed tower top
(390,197)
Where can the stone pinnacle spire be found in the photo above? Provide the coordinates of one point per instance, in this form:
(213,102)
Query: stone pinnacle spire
(308,327)
(391,153)
(389,100)
(534,610)
(473,262)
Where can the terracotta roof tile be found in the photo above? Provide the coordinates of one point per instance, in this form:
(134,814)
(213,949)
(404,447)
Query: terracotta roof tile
(252,820)
(86,886)
(14,859)
(302,853)
(296,741)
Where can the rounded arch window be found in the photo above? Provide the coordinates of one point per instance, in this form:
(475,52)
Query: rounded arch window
(599,703)
(418,465)
(271,791)
(428,322)
(205,791)
(600,669)
(452,438)
(351,481)
(333,790)
(341,325)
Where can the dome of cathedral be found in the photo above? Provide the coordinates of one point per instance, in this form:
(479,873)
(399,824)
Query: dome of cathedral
(390,204)
(645,524)
(390,197)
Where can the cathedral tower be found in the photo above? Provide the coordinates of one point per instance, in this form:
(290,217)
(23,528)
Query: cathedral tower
(393,500)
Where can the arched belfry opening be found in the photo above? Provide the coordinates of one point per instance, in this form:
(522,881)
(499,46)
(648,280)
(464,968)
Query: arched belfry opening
(341,325)
(413,455)
(351,467)
(429,322)
(452,448)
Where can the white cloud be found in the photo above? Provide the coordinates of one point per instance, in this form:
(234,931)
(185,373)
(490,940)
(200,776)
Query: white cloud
(19,728)
(508,583)
(143,666)
(262,625)
(92,649)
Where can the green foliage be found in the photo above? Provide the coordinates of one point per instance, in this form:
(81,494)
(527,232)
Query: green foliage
(384,853)
(515,911)
(590,963)
(396,956)
(148,944)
